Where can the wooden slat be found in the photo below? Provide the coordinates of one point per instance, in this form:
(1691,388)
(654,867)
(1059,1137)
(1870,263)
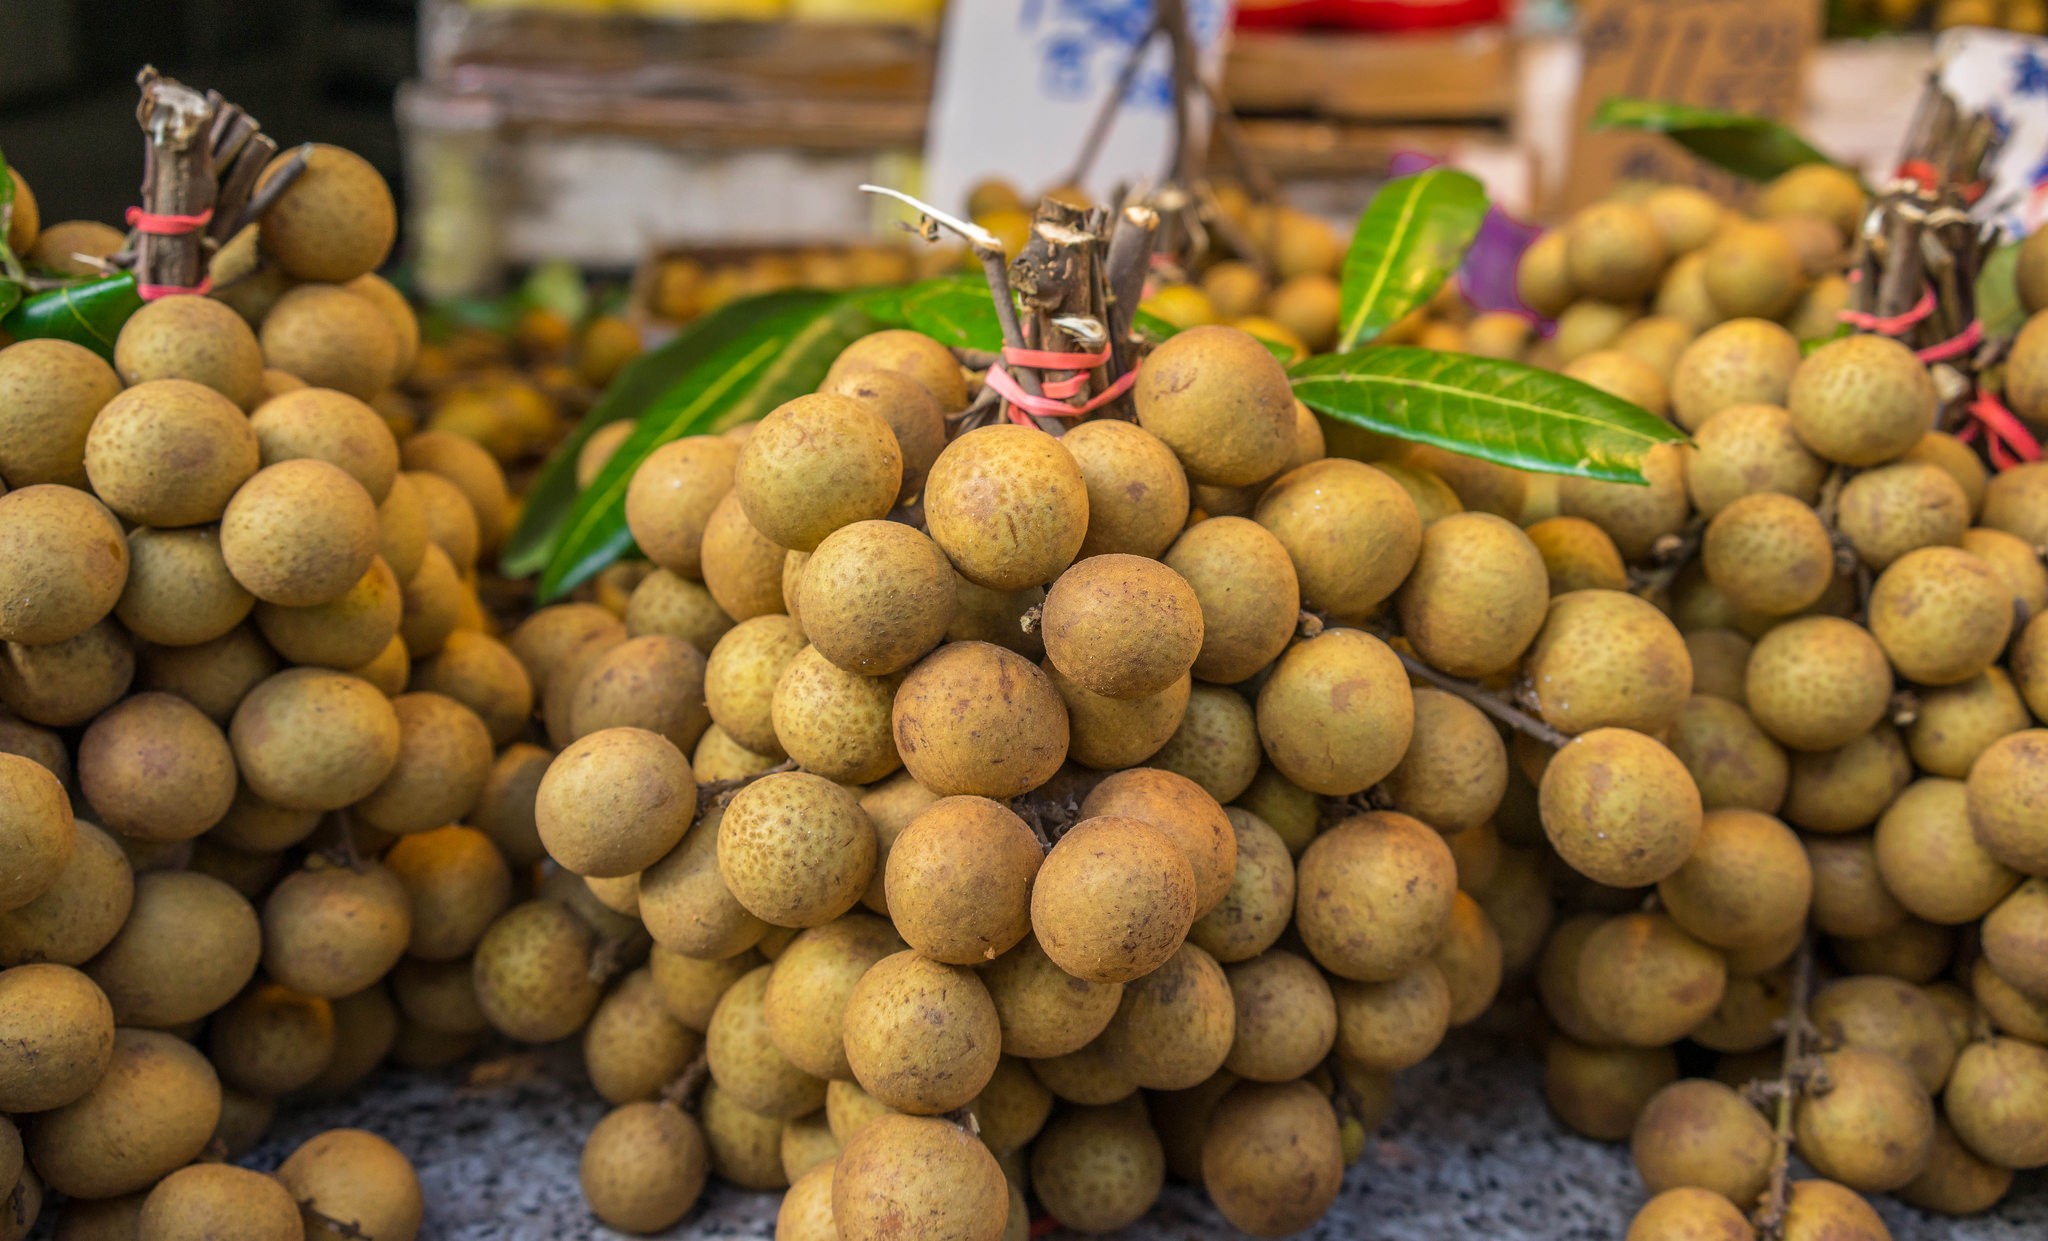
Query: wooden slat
(1467,74)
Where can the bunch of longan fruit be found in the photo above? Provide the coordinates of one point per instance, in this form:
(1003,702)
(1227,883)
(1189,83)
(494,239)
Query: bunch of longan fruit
(248,697)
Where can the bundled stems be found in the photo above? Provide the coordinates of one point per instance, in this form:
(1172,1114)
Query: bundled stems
(177,177)
(1794,1073)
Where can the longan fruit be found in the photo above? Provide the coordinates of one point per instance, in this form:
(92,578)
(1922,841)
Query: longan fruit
(654,683)
(1740,362)
(1646,982)
(189,945)
(1849,898)
(815,464)
(1182,810)
(1598,1092)
(615,802)
(1009,738)
(1587,325)
(2006,786)
(890,806)
(310,739)
(1956,1181)
(1861,400)
(1042,1010)
(1113,900)
(179,591)
(1012,1108)
(1374,894)
(1221,402)
(1620,808)
(1956,723)
(1890,511)
(686,905)
(1122,626)
(633,1047)
(156,769)
(1336,713)
(921,1036)
(805,1001)
(482,674)
(1352,532)
(1173,1027)
(1702,1134)
(1606,658)
(2013,935)
(444,758)
(1469,956)
(745,1061)
(1614,250)
(1872,1129)
(876,596)
(458,883)
(329,426)
(331,931)
(1137,491)
(1542,279)
(1260,901)
(666,603)
(1577,555)
(672,497)
(1751,1008)
(1752,269)
(1845,789)
(451,526)
(1887,1015)
(58,1032)
(1245,585)
(795,849)
(1732,761)
(1941,615)
(335,222)
(1098,1169)
(643,1166)
(1750,449)
(1817,682)
(1108,734)
(1689,1214)
(330,338)
(219,1202)
(36,826)
(504,810)
(1008,505)
(213,676)
(150,1113)
(473,471)
(299,533)
(959,880)
(68,682)
(80,912)
(742,568)
(63,564)
(833,722)
(49,392)
(270,1041)
(1994,1099)
(1476,595)
(1769,554)
(913,1178)
(741,674)
(903,352)
(1818,1210)
(912,411)
(355,1183)
(1455,770)
(1286,1017)
(806,1143)
(532,971)
(1392,1025)
(195,340)
(1745,884)
(1273,1161)
(1685,218)
(1215,742)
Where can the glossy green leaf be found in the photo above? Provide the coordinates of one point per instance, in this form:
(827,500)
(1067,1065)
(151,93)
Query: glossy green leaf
(772,350)
(1410,239)
(1753,147)
(1998,295)
(10,296)
(1497,411)
(956,311)
(89,314)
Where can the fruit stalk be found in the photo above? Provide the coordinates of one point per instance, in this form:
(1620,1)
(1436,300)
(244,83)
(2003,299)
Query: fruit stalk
(177,177)
(1792,1075)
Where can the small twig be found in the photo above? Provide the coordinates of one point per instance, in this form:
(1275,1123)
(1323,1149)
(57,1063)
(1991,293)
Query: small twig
(1098,129)
(1669,558)
(280,181)
(343,852)
(718,792)
(1493,704)
(1794,1074)
(965,1118)
(349,1228)
(682,1092)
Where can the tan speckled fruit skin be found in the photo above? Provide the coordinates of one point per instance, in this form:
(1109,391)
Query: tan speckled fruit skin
(49,392)
(1260,903)
(1373,895)
(1388,1026)
(742,567)
(1730,758)
(59,1032)
(347,633)
(532,972)
(1635,517)
(875,597)
(1455,770)
(1741,362)
(1613,251)
(1008,505)
(353,1174)
(336,222)
(196,339)
(154,768)
(1137,491)
(914,354)
(1606,659)
(655,682)
(910,1178)
(1273,1160)
(1850,900)
(458,883)
(1941,615)
(1174,1027)
(219,1200)
(1701,1133)
(1099,1167)
(643,1166)
(1113,900)
(312,739)
(745,1061)
(795,849)
(1768,554)
(1351,531)
(331,931)
(1476,596)
(804,1004)
(37,826)
(299,533)
(1746,884)
(1043,1010)
(1929,859)
(180,592)
(1618,807)
(1577,555)
(834,722)
(1109,734)
(1861,400)
(686,905)
(174,913)
(2007,787)
(741,674)
(973,718)
(671,498)
(1895,509)
(63,563)
(1818,682)
(1598,1091)
(921,1036)
(1874,1130)
(1122,626)
(1185,812)
(330,338)
(613,803)
(151,1113)
(170,453)
(2016,501)
(1993,1090)
(815,464)
(80,913)
(1249,595)
(959,880)
(1221,402)
(914,416)
(1744,449)
(1753,270)
(1647,982)
(1337,712)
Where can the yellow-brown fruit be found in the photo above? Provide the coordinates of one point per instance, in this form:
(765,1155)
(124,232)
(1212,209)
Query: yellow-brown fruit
(1742,362)
(532,972)
(66,682)
(154,768)
(1861,400)
(643,1167)
(1887,1015)
(1286,1017)
(1122,626)
(1273,1160)
(299,533)
(912,412)
(1769,554)
(1619,807)
(335,222)
(458,883)
(1100,1167)
(668,603)
(59,1036)
(741,674)
(351,1182)
(1701,1134)
(1720,657)
(1747,449)
(346,633)
(1689,1214)
(1235,289)
(1930,860)
(1686,218)
(474,472)
(66,246)
(1137,491)
(1614,250)
(195,339)
(1746,884)
(959,880)
(1008,506)
(1352,532)
(912,1178)
(331,931)
(49,392)
(310,739)
(921,1036)
(875,597)
(1956,1181)
(1645,982)
(1872,1129)
(1586,326)
(1637,517)
(176,913)
(804,1003)
(795,849)
(169,453)
(82,911)
(1336,714)
(150,1113)
(1818,682)
(1600,1091)
(36,828)
(1310,305)
(63,564)
(405,326)
(1605,658)
(1941,615)
(1821,190)
(1818,1210)
(484,675)
(1455,770)
(1995,1096)
(1043,1010)
(910,353)
(686,905)
(1009,738)
(1542,280)
(1849,897)
(270,1041)
(1374,894)
(2013,936)
(673,497)
(330,338)
(1682,295)
(1476,595)
(1108,734)
(816,464)
(1221,402)
(1577,555)
(1113,900)
(1752,270)
(218,1202)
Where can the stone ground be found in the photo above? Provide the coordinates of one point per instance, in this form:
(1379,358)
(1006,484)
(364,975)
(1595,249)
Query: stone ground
(1469,1151)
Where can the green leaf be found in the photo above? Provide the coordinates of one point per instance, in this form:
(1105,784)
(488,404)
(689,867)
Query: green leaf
(1753,147)
(1411,237)
(956,311)
(1497,411)
(89,314)
(10,296)
(770,350)
(1998,294)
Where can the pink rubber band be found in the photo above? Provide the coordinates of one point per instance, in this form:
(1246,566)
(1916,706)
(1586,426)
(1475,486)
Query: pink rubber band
(1895,325)
(1053,360)
(167,225)
(1969,338)
(1022,403)
(151,292)
(2007,440)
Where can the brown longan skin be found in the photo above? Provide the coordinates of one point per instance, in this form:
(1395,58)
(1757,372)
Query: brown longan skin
(1181,809)
(815,464)
(904,352)
(1137,491)
(1745,884)
(483,674)
(1957,1181)
(2013,937)
(1336,714)
(1600,1091)
(270,1042)
(1994,1091)
(330,338)
(1286,1017)
(1273,1160)
(1887,1015)
(1873,1130)
(1221,402)
(1845,789)
(633,1047)
(179,591)
(1043,1011)
(643,1167)
(299,533)
(193,339)
(1691,1214)
(1930,860)
(1646,982)
(151,1112)
(458,884)
(532,971)
(63,564)
(1577,555)
(333,427)
(330,931)
(668,603)
(795,849)
(1260,902)
(686,905)
(809,986)
(430,604)
(1008,505)
(1957,723)
(356,1178)
(1351,530)
(336,222)
(475,474)
(2006,786)
(1244,582)
(504,811)
(1750,449)
(1100,1168)
(1392,1025)
(189,945)
(959,880)
(1732,761)
(1941,615)
(741,674)
(1817,682)
(1108,734)
(1613,250)
(1620,808)
(1608,659)
(80,912)
(49,391)
(59,1036)
(1456,768)
(1113,900)
(1173,1027)
(910,1178)
(450,521)
(744,1060)
(36,825)
(1888,512)
(310,739)
(1861,400)
(1122,626)
(219,1202)
(742,567)
(835,723)
(1849,897)
(1702,1134)
(921,1036)
(911,410)
(1373,895)
(1476,595)
(876,596)
(1769,554)
(156,769)
(615,802)
(975,719)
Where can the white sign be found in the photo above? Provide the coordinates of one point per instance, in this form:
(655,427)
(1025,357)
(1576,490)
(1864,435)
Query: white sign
(2007,75)
(1020,81)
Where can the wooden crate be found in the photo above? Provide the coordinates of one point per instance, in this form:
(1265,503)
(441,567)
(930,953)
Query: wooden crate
(1459,75)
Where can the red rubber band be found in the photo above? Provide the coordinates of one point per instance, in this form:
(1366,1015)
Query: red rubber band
(1894,325)
(151,292)
(1021,403)
(1053,360)
(167,225)
(2008,442)
(1920,172)
(1969,338)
